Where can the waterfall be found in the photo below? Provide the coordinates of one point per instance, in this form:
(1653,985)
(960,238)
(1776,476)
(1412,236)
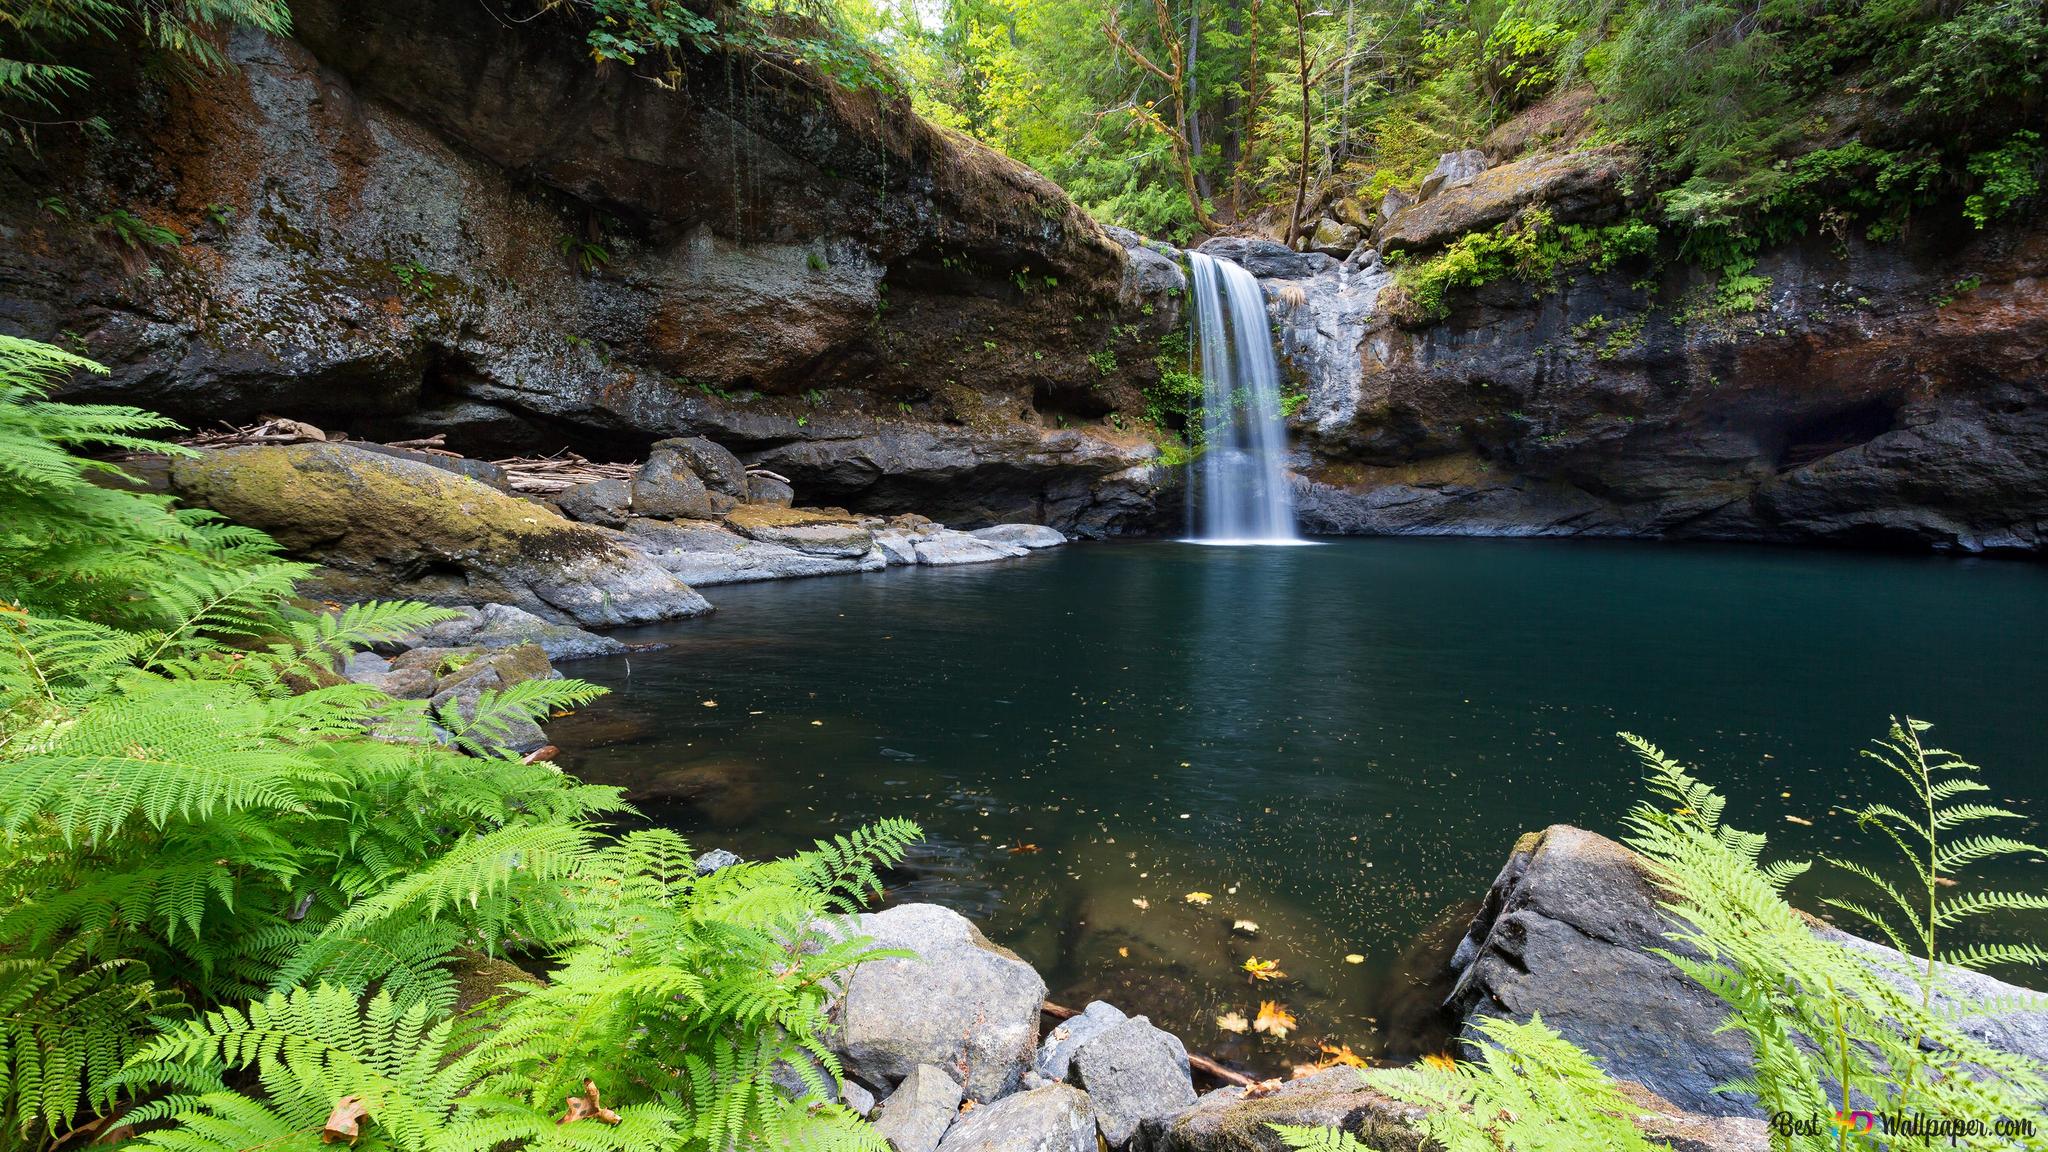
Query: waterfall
(1238,490)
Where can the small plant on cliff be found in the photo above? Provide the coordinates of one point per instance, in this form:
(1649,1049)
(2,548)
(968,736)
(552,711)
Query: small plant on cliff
(415,276)
(587,255)
(133,232)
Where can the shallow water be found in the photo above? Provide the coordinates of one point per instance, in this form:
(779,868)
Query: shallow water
(1338,743)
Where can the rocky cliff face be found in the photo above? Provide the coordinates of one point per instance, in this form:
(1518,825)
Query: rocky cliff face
(417,217)
(1888,395)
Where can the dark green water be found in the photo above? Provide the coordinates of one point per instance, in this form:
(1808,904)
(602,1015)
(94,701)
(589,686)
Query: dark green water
(1339,743)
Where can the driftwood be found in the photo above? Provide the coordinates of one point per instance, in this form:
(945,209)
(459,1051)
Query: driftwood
(1199,1063)
(270,430)
(549,475)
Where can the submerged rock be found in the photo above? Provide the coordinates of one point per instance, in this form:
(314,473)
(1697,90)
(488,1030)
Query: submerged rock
(963,1004)
(380,526)
(1056,1118)
(915,1117)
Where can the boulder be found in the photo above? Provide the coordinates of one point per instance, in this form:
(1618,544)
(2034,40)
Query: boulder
(915,1117)
(1134,1072)
(896,547)
(948,547)
(1567,931)
(856,1098)
(459,690)
(381,526)
(720,470)
(818,532)
(1154,270)
(1055,1056)
(717,858)
(1056,1118)
(1352,211)
(1033,536)
(1453,170)
(1393,202)
(701,553)
(768,490)
(503,626)
(962,1004)
(607,502)
(1576,186)
(1268,259)
(666,487)
(1226,1120)
(1334,239)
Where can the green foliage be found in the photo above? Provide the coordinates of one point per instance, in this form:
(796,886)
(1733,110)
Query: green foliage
(415,276)
(665,33)
(587,255)
(1532,249)
(195,812)
(1104,360)
(133,232)
(2010,175)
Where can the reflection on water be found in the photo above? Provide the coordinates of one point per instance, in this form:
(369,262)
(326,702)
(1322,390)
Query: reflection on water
(1337,745)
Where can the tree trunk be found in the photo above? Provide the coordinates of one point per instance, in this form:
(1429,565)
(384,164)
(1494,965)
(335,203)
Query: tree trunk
(1248,139)
(1344,97)
(1301,181)
(1194,105)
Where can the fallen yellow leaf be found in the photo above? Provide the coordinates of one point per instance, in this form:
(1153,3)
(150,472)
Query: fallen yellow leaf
(1141,902)
(1273,1020)
(1198,897)
(1263,970)
(1353,958)
(1799,820)
(1232,1022)
(1440,1062)
(1341,1054)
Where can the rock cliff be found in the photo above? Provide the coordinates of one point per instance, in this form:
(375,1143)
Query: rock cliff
(431,216)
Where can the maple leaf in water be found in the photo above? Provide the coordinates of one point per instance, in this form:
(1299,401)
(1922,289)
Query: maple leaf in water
(1340,1054)
(1273,1020)
(1263,970)
(1233,1022)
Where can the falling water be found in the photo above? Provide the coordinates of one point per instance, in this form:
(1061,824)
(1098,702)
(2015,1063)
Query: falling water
(1240,492)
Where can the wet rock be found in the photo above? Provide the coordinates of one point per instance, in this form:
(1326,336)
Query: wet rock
(1453,170)
(1268,259)
(948,547)
(915,1117)
(1225,1121)
(963,1004)
(1572,187)
(715,859)
(1134,1072)
(385,527)
(1568,930)
(1154,271)
(1032,536)
(1056,1055)
(1057,1118)
(705,554)
(666,487)
(768,490)
(607,502)
(812,531)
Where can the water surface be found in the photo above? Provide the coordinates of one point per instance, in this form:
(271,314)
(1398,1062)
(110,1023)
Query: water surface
(1338,743)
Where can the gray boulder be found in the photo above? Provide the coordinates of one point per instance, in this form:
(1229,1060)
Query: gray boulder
(857,1098)
(607,502)
(703,553)
(897,547)
(818,532)
(1567,930)
(1393,202)
(504,626)
(667,488)
(1032,536)
(1268,259)
(962,1003)
(1134,1072)
(1057,1053)
(720,470)
(949,547)
(915,1117)
(1453,169)
(717,858)
(1056,1118)
(770,491)
(1332,238)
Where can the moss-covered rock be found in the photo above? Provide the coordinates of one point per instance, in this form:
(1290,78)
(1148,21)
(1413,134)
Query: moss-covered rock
(382,526)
